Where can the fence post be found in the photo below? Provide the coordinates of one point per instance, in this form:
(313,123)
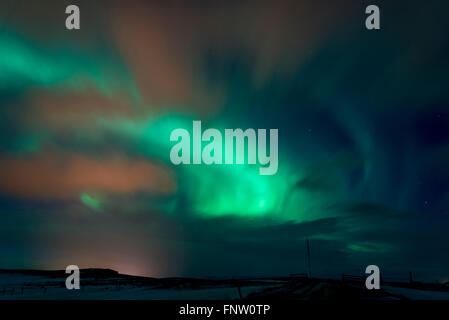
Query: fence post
(240,292)
(410,277)
(308,258)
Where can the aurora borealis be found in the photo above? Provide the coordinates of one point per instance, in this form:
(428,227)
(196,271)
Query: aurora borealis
(363,120)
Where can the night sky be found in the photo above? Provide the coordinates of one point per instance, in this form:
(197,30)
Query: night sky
(363,119)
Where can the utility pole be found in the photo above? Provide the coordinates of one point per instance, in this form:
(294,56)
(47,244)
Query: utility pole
(308,258)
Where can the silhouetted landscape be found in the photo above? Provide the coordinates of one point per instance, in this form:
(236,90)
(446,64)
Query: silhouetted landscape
(109,284)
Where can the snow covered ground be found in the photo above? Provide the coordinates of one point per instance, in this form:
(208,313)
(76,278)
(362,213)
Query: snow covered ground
(113,286)
(18,287)
(415,294)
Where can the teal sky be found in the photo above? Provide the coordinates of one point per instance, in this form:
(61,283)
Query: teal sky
(86,116)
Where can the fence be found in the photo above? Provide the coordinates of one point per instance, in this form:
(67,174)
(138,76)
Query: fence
(383,279)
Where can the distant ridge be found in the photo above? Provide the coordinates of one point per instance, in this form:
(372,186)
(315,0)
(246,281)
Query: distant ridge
(90,272)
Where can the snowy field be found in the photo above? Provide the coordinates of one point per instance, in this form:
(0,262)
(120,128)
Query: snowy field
(113,286)
(18,287)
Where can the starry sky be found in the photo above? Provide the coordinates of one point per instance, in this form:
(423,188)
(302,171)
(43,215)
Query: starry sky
(363,119)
